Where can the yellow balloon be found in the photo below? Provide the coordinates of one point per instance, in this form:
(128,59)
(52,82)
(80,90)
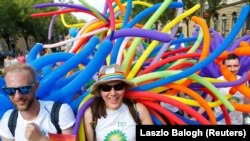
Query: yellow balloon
(81,132)
(152,46)
(192,49)
(135,43)
(134,3)
(72,25)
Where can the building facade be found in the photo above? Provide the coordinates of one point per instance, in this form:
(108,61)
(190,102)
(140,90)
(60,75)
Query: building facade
(228,15)
(225,19)
(18,46)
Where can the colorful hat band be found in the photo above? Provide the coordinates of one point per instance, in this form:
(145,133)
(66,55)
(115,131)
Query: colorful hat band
(112,76)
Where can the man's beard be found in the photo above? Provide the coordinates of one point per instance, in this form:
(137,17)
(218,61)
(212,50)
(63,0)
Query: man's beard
(28,106)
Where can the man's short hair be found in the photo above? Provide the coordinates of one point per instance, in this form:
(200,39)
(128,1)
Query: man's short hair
(231,56)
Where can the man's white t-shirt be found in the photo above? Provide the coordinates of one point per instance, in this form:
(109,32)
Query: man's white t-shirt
(43,121)
(118,125)
(236,117)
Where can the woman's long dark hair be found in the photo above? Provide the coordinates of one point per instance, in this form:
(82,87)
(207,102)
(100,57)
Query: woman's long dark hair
(98,107)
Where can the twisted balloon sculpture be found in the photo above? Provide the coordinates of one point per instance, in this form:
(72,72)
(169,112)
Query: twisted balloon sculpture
(160,71)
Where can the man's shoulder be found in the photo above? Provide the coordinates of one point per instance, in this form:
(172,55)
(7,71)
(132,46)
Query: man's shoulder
(6,115)
(8,112)
(49,104)
(46,101)
(221,77)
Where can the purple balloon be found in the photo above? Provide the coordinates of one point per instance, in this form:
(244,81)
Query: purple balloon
(244,61)
(155,35)
(166,45)
(52,23)
(236,43)
(242,80)
(80,114)
(105,8)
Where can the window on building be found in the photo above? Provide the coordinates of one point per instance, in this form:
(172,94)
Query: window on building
(234,18)
(247,25)
(216,22)
(224,24)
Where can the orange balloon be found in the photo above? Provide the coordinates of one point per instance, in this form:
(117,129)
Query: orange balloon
(197,97)
(229,76)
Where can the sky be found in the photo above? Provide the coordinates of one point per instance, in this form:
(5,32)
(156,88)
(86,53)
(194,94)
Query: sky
(98,4)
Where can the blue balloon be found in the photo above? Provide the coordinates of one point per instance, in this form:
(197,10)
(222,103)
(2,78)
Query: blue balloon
(50,59)
(73,32)
(75,104)
(5,104)
(63,95)
(156,121)
(48,82)
(35,50)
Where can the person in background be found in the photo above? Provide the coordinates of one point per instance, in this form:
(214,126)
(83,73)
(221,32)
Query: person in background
(232,62)
(21,58)
(110,110)
(8,60)
(34,116)
(248,32)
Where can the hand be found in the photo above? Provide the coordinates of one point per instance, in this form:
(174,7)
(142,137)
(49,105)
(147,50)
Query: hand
(33,133)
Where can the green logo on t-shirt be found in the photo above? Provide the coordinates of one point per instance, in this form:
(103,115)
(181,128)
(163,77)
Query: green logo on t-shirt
(115,135)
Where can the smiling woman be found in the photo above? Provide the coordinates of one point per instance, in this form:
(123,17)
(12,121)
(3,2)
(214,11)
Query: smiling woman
(110,116)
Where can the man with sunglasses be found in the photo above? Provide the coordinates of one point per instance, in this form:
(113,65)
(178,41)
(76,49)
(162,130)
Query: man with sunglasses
(33,116)
(109,116)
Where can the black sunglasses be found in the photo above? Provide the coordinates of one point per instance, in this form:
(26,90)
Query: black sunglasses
(107,88)
(23,90)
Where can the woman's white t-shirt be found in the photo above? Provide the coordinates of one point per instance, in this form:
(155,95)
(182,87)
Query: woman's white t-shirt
(118,125)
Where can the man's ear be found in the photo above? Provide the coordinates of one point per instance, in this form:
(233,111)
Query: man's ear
(36,83)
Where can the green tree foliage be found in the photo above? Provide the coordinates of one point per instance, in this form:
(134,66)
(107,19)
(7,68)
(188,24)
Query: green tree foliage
(8,16)
(213,6)
(188,4)
(247,1)
(16,21)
